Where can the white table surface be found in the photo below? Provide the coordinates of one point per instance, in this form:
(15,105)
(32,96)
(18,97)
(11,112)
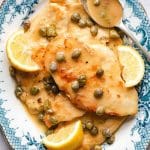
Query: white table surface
(3,142)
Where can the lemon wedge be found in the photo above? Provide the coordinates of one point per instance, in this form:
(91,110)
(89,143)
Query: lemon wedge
(67,138)
(133,65)
(19,52)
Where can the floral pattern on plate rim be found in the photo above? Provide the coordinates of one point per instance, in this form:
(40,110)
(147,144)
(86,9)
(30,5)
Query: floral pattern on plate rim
(12,14)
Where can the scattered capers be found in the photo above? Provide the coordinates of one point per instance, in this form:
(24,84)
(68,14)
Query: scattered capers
(60,56)
(43,31)
(53,121)
(34,90)
(55,89)
(106,133)
(53,66)
(89,125)
(75,17)
(41,116)
(97,147)
(26,25)
(89,22)
(94,131)
(49,111)
(94,30)
(50,131)
(46,105)
(12,71)
(48,31)
(100,111)
(99,72)
(48,82)
(51,32)
(96,2)
(98,93)
(82,23)
(82,80)
(18,91)
(47,86)
(111,139)
(75,86)
(76,54)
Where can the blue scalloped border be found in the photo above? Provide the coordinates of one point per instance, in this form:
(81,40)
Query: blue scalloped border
(142,126)
(26,8)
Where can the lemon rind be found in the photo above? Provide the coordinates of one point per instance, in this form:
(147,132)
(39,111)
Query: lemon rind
(13,61)
(141,62)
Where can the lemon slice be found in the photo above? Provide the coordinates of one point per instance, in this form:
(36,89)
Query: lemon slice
(133,65)
(20,53)
(67,138)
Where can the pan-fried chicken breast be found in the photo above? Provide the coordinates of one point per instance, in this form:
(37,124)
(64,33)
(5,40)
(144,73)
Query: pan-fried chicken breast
(62,109)
(116,99)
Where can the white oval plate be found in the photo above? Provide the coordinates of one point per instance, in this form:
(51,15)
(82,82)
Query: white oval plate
(20,131)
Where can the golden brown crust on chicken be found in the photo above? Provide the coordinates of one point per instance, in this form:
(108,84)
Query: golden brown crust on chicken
(116,100)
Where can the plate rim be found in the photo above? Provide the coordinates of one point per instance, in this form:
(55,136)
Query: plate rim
(1,126)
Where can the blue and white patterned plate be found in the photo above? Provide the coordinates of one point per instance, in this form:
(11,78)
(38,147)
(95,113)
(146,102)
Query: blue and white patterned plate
(20,132)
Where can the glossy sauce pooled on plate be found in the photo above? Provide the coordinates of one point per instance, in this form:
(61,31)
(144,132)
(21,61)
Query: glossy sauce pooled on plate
(106,13)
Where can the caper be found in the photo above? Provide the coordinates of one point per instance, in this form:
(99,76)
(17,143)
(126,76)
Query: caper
(12,71)
(60,56)
(51,32)
(99,72)
(18,91)
(41,116)
(75,17)
(53,121)
(53,66)
(106,133)
(49,111)
(82,80)
(96,2)
(89,125)
(97,147)
(47,86)
(100,111)
(43,31)
(89,22)
(76,54)
(34,90)
(55,89)
(50,131)
(94,131)
(75,86)
(98,93)
(26,25)
(84,125)
(48,82)
(94,30)
(110,140)
(82,23)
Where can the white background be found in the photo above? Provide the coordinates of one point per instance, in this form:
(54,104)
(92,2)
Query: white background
(3,142)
